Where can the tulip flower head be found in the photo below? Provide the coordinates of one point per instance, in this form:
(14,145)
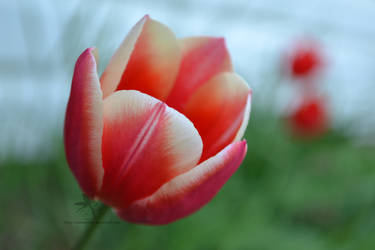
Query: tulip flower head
(159,133)
(309,119)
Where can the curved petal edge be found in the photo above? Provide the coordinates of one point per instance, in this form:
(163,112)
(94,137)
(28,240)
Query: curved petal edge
(154,61)
(83,126)
(187,192)
(217,110)
(145,145)
(246,118)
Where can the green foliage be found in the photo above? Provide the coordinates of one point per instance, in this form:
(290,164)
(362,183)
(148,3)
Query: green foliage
(288,194)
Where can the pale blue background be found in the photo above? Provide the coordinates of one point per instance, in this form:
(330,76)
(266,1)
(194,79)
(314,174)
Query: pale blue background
(40,41)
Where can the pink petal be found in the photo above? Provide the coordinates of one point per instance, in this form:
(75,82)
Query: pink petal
(145,144)
(188,192)
(147,61)
(217,110)
(202,58)
(84,125)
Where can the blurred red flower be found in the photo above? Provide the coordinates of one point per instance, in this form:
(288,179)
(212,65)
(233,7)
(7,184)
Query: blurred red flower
(310,118)
(305,58)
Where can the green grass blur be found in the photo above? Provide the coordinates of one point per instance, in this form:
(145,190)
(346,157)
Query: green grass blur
(289,194)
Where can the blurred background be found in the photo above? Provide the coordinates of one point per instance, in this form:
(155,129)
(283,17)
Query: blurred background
(308,181)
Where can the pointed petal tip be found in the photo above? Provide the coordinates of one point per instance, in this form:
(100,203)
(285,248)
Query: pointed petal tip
(90,51)
(91,48)
(89,55)
(147,60)
(95,52)
(144,19)
(243,145)
(240,147)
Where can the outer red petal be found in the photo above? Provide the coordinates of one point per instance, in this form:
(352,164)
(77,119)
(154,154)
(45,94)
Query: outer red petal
(84,125)
(145,144)
(202,58)
(217,109)
(147,61)
(188,192)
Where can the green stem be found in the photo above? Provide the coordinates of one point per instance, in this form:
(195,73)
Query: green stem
(91,227)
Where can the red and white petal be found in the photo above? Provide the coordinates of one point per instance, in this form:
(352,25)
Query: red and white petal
(147,61)
(111,76)
(84,125)
(245,120)
(145,144)
(187,192)
(217,109)
(202,58)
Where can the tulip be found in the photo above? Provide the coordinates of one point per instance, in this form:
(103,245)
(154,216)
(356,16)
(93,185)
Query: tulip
(310,118)
(159,134)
